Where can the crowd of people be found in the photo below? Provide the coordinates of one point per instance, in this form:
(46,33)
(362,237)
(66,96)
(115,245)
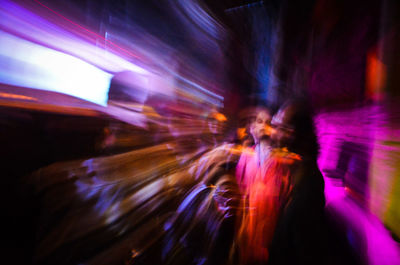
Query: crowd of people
(259,200)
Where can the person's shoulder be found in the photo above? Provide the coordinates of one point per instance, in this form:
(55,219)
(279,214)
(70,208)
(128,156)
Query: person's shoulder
(248,151)
(283,155)
(225,149)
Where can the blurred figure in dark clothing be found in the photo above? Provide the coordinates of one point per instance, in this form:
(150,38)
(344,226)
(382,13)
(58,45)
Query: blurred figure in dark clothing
(302,234)
(297,238)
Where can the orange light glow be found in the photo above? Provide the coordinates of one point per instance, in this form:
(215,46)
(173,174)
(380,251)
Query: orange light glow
(15,96)
(375,76)
(220,117)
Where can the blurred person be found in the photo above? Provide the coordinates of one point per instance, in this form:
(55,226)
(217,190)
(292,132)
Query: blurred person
(252,158)
(111,205)
(214,130)
(301,235)
(140,206)
(202,230)
(261,188)
(216,122)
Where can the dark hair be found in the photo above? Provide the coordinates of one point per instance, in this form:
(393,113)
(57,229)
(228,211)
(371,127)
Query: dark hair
(257,109)
(300,117)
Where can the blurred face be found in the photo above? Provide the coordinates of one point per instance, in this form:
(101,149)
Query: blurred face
(260,128)
(216,123)
(213,126)
(282,133)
